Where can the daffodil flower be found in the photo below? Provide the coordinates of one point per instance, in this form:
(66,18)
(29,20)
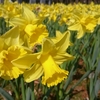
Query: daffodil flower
(10,49)
(35,34)
(27,17)
(84,23)
(46,62)
(30,29)
(10,10)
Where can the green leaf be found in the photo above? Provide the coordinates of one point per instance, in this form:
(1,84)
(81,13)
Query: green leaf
(69,79)
(14,88)
(63,28)
(95,52)
(28,94)
(91,86)
(5,94)
(23,89)
(4,26)
(97,71)
(67,97)
(97,87)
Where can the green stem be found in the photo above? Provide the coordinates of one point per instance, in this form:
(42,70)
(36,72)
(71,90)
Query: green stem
(15,90)
(48,91)
(32,91)
(23,88)
(3,84)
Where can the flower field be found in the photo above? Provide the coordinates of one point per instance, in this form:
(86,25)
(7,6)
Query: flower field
(49,52)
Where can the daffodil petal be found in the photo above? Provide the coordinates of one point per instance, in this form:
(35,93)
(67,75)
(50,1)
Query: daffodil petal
(74,27)
(18,21)
(47,45)
(81,32)
(90,26)
(58,34)
(61,57)
(2,43)
(12,74)
(33,73)
(64,42)
(11,37)
(28,14)
(58,37)
(25,61)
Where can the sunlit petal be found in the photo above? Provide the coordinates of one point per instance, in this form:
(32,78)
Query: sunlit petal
(61,57)
(64,42)
(81,32)
(47,46)
(21,22)
(74,27)
(33,73)
(25,61)
(11,37)
(29,15)
(58,37)
(1,43)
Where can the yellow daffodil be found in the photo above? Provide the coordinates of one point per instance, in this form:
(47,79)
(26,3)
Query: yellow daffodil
(28,25)
(35,34)
(10,10)
(46,62)
(84,23)
(27,17)
(10,49)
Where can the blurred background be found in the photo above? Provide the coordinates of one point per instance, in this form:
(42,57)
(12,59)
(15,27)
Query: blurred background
(59,1)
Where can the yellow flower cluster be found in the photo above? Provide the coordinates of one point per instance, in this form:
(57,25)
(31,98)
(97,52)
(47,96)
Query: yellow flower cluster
(19,46)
